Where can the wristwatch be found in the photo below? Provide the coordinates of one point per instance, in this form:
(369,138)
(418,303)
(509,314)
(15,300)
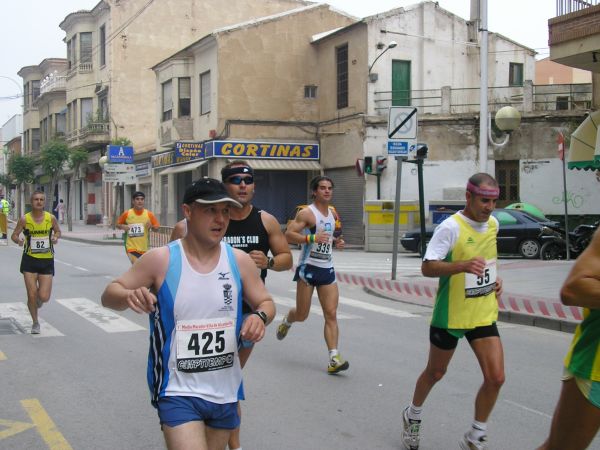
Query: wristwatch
(262,315)
(270,262)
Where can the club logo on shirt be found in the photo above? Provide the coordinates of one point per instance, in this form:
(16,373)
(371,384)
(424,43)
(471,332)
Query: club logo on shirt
(470,241)
(227,297)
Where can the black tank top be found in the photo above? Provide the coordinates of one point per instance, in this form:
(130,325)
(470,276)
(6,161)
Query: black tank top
(249,234)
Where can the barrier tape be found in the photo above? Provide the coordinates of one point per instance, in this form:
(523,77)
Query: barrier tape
(509,302)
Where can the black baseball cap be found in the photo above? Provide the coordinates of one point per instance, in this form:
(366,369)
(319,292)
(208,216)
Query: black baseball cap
(207,191)
(138,194)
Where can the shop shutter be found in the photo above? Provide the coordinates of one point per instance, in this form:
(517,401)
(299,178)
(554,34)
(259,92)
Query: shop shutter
(348,200)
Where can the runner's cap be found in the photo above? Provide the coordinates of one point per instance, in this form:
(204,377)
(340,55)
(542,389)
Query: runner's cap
(208,191)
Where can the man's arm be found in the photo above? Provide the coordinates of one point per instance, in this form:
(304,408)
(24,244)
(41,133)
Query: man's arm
(304,219)
(256,295)
(582,286)
(443,268)
(153,221)
(282,256)
(121,225)
(56,233)
(179,231)
(132,289)
(16,234)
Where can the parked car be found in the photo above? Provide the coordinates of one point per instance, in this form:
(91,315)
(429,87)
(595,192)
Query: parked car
(519,234)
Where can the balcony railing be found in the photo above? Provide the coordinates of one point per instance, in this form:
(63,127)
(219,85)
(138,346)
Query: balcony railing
(527,98)
(564,7)
(54,83)
(80,68)
(90,134)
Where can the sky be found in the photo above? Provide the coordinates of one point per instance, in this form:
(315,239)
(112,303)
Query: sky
(30,31)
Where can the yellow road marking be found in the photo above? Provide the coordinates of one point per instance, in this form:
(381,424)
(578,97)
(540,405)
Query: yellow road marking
(13,427)
(2,356)
(45,426)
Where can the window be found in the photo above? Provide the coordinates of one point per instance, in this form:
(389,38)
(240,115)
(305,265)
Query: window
(61,123)
(185,95)
(102,44)
(103,107)
(35,140)
(26,99)
(341,60)
(310,91)
(515,76)
(505,218)
(205,92)
(507,175)
(562,103)
(85,48)
(44,130)
(167,100)
(87,116)
(35,90)
(72,52)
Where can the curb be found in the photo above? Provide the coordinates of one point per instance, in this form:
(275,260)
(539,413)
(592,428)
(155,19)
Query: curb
(514,308)
(118,242)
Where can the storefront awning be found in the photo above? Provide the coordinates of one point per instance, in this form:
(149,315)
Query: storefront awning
(183,167)
(284,164)
(584,152)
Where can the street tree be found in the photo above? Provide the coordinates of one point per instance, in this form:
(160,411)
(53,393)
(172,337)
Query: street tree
(22,169)
(77,158)
(54,155)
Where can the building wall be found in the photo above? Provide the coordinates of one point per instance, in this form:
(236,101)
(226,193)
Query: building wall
(133,97)
(550,72)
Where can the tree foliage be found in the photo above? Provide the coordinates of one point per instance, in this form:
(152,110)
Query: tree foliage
(122,141)
(77,157)
(53,156)
(22,167)
(6,181)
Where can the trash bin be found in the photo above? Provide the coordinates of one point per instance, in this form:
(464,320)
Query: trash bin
(379,219)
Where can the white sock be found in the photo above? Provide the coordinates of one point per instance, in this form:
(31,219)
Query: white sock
(333,352)
(478,429)
(414,412)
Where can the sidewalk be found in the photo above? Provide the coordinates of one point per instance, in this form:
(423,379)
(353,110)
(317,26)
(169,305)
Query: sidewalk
(531,287)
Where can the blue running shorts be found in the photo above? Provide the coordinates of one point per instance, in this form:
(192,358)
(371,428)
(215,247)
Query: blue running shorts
(177,410)
(315,276)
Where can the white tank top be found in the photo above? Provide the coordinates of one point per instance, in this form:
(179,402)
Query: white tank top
(319,255)
(195,329)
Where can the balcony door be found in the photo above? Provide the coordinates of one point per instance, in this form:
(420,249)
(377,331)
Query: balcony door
(400,83)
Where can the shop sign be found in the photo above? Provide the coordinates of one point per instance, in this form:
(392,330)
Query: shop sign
(163,160)
(142,169)
(270,150)
(188,151)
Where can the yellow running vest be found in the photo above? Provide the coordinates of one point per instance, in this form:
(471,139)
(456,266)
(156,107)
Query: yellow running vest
(465,301)
(137,236)
(38,237)
(583,359)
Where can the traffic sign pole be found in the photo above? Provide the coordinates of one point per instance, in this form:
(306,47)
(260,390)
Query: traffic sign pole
(399,160)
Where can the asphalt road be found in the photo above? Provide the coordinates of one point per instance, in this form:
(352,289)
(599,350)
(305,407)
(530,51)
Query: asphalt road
(81,383)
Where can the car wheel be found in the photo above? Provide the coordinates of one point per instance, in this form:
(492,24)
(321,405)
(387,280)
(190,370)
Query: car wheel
(552,250)
(529,248)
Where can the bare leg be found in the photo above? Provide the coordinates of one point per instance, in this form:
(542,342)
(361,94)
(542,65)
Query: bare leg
(304,293)
(329,298)
(490,355)
(31,285)
(44,287)
(437,364)
(575,422)
(234,438)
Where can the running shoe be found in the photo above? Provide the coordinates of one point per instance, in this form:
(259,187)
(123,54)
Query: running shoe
(469,444)
(410,431)
(35,328)
(282,329)
(337,364)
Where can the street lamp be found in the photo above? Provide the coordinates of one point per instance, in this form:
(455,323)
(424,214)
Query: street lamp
(373,76)
(507,119)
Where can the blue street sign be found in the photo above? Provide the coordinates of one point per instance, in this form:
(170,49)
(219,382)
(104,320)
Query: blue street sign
(120,154)
(398,148)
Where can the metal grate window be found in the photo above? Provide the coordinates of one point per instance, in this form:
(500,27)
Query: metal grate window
(341,59)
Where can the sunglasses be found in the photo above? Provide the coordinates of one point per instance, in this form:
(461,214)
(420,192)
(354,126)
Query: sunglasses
(237,180)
